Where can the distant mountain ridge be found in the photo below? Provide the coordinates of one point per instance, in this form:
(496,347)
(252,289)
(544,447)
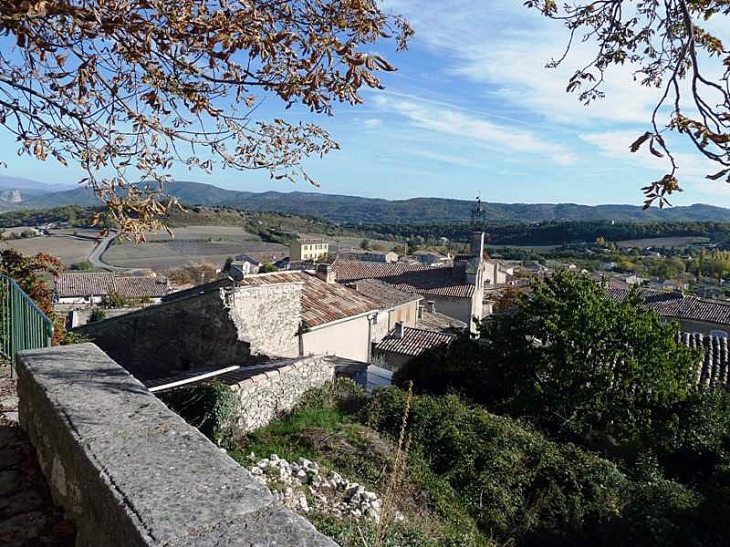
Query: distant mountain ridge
(15,191)
(355,210)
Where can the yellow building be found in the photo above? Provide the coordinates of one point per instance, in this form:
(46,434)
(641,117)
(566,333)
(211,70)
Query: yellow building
(309,249)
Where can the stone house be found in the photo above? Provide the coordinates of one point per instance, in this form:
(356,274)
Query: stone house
(228,323)
(429,258)
(457,290)
(335,320)
(379,256)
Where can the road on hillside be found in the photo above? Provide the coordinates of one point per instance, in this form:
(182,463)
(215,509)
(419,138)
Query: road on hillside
(95,257)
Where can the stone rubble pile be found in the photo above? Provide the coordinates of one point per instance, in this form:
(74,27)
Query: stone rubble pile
(294,483)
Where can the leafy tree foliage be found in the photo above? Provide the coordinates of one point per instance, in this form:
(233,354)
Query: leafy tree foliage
(524,489)
(140,85)
(34,275)
(267,267)
(581,366)
(115,300)
(670,45)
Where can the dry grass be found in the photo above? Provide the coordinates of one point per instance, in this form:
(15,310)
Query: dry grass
(62,244)
(191,245)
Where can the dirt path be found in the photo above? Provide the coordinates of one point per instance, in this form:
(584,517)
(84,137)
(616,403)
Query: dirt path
(28,517)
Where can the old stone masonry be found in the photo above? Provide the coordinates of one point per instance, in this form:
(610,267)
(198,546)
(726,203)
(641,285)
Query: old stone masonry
(299,484)
(27,515)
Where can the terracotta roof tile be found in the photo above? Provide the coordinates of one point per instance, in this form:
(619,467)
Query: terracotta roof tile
(713,370)
(414,341)
(75,284)
(424,280)
(676,306)
(70,284)
(438,322)
(142,287)
(384,294)
(321,302)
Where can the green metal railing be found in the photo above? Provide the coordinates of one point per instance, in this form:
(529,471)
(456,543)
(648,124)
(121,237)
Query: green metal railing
(23,325)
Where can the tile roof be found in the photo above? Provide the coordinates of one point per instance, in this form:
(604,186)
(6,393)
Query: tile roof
(322,302)
(424,280)
(438,322)
(713,370)
(142,287)
(384,294)
(68,284)
(73,284)
(261,257)
(354,270)
(676,306)
(414,341)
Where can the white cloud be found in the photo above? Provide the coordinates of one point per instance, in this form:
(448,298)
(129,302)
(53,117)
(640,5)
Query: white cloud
(371,123)
(692,167)
(507,46)
(484,133)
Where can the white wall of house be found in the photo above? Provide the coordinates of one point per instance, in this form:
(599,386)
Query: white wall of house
(80,300)
(494,274)
(458,308)
(381,326)
(407,314)
(349,338)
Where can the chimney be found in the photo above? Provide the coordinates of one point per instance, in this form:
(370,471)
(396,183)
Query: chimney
(326,273)
(399,330)
(476,247)
(431,306)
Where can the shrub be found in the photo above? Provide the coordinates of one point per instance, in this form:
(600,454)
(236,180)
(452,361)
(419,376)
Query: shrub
(97,315)
(520,485)
(115,300)
(209,407)
(581,366)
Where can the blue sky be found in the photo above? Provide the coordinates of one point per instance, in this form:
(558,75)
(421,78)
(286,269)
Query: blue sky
(473,110)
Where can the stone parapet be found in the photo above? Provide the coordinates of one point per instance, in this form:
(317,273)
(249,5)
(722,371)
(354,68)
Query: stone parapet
(130,472)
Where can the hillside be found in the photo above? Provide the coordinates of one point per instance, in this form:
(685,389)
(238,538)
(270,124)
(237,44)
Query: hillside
(354,210)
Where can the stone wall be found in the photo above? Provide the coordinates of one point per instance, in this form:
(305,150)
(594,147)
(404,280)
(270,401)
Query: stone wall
(189,333)
(132,473)
(214,327)
(267,317)
(265,395)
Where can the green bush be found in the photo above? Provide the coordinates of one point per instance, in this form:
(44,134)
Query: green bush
(209,407)
(696,444)
(97,315)
(115,300)
(519,485)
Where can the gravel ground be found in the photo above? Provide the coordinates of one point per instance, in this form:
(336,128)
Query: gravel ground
(28,517)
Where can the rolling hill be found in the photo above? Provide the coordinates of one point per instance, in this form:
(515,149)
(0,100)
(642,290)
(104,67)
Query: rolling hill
(354,210)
